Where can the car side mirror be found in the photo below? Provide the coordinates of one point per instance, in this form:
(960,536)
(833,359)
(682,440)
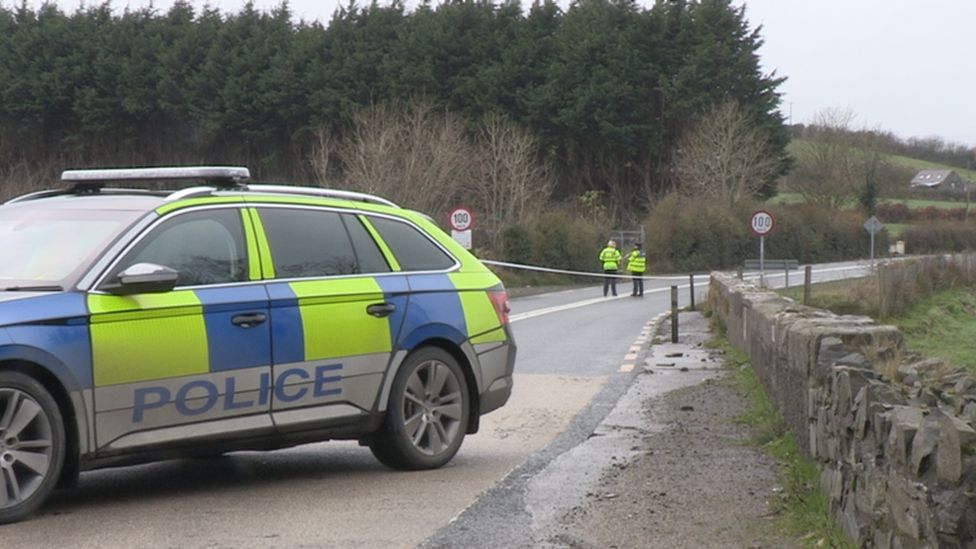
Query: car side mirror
(144,278)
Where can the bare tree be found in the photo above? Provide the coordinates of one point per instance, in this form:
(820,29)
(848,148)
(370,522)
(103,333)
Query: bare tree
(410,153)
(510,184)
(724,156)
(322,157)
(836,165)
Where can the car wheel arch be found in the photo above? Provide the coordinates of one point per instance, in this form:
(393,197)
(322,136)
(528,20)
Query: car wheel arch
(50,381)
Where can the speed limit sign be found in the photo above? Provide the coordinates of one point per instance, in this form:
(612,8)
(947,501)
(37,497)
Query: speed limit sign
(461,219)
(761,223)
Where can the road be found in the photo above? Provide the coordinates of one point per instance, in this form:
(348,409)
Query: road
(577,355)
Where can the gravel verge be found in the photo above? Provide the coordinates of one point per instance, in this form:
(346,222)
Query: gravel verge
(694,482)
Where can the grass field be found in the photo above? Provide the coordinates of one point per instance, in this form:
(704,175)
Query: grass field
(943,325)
(895,229)
(797,198)
(926,165)
(907,161)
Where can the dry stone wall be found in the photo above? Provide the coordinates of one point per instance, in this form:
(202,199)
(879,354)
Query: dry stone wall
(892,434)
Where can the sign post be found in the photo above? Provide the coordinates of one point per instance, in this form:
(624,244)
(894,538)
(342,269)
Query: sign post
(761,225)
(873,226)
(462,221)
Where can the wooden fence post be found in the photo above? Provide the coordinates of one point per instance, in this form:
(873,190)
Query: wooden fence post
(807,281)
(674,314)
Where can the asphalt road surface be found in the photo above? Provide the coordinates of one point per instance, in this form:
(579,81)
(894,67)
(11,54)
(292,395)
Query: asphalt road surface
(577,355)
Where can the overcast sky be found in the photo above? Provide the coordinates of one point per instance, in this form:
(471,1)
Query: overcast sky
(907,66)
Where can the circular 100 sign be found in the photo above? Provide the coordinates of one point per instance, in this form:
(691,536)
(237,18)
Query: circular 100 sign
(761,223)
(461,219)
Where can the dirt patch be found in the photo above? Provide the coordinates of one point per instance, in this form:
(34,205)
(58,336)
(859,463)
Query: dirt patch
(694,483)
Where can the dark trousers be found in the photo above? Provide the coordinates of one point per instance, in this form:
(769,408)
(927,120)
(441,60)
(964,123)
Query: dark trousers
(638,283)
(610,282)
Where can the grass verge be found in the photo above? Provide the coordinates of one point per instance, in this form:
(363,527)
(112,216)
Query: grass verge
(853,296)
(802,507)
(943,325)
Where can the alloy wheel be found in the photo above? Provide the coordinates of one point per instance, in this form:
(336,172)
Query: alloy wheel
(433,407)
(26,446)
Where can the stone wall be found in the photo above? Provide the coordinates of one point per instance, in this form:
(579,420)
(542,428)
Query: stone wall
(892,433)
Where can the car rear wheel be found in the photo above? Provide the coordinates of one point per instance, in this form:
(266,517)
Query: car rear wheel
(427,415)
(32,445)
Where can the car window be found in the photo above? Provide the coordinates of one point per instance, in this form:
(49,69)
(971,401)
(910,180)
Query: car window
(307,243)
(368,254)
(205,247)
(412,249)
(39,245)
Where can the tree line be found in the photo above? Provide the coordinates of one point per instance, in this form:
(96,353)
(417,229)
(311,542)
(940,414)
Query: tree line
(933,148)
(606,89)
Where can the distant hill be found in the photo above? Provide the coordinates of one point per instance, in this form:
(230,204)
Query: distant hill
(915,164)
(919,165)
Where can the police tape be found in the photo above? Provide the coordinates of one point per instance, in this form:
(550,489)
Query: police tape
(536,268)
(860,266)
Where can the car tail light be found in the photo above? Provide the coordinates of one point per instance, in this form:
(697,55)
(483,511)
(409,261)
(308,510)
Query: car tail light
(499,299)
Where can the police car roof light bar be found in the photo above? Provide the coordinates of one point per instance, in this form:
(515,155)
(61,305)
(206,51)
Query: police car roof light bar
(93,180)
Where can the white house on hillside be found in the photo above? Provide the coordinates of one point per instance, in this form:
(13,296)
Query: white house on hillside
(940,179)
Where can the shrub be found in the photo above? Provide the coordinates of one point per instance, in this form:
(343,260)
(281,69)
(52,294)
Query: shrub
(895,213)
(904,283)
(901,213)
(940,237)
(563,241)
(559,239)
(685,235)
(516,245)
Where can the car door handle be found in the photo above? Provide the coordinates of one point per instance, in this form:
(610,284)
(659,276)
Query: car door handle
(249,320)
(379,310)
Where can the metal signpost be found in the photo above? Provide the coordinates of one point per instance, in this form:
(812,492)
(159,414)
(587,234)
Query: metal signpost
(462,221)
(761,225)
(873,227)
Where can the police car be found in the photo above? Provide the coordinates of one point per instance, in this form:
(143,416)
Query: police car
(139,324)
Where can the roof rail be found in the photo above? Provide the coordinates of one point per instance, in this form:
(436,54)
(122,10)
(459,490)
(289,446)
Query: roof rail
(318,191)
(35,195)
(93,180)
(190,192)
(62,192)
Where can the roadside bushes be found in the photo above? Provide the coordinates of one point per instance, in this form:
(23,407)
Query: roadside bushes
(686,235)
(900,213)
(560,239)
(939,237)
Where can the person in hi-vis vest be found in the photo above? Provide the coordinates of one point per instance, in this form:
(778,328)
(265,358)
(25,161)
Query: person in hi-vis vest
(636,265)
(610,257)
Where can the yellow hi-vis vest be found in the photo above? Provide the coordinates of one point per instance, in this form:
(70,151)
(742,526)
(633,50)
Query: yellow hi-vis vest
(610,258)
(636,262)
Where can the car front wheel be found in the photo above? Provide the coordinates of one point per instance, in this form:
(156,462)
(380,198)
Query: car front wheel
(427,415)
(32,445)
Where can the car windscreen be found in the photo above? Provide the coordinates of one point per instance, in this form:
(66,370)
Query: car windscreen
(42,248)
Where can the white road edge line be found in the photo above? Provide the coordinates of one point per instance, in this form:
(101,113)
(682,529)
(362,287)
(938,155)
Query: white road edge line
(577,304)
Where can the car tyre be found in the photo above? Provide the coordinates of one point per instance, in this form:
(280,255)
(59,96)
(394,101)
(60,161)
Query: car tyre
(32,445)
(427,414)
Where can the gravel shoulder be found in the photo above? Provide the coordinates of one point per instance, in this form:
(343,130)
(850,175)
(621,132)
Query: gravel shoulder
(694,482)
(655,460)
